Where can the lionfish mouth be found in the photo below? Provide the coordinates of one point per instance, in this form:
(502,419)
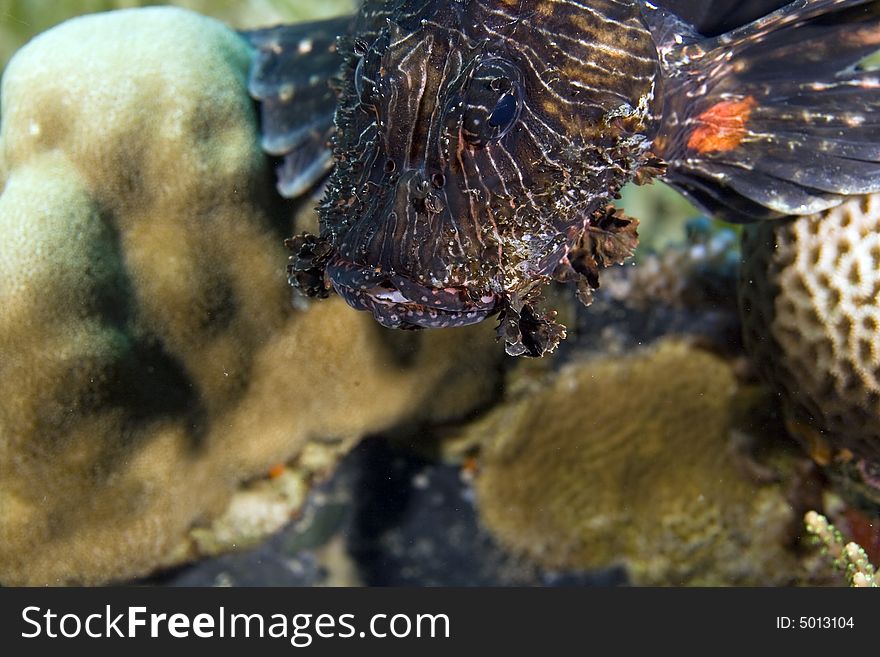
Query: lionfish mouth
(399,302)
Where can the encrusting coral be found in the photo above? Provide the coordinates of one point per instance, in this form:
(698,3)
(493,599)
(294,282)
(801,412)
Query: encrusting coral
(152,363)
(634,461)
(810,300)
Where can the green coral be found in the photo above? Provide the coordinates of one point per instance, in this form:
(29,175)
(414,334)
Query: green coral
(846,556)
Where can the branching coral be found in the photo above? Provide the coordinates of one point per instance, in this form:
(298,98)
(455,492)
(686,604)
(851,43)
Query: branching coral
(849,557)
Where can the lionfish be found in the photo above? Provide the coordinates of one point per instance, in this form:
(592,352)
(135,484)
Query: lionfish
(475,147)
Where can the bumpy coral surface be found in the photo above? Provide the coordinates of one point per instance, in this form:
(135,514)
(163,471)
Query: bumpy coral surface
(810,300)
(151,359)
(633,461)
(22,19)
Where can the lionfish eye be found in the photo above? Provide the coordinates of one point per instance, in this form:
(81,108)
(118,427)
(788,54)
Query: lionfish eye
(493,102)
(505,112)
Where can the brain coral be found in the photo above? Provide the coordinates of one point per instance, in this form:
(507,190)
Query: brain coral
(631,461)
(151,359)
(810,300)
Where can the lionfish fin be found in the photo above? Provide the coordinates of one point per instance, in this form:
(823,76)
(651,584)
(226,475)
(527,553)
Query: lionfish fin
(778,117)
(713,17)
(290,77)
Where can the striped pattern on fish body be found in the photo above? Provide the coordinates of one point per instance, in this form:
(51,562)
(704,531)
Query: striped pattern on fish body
(478,143)
(491,139)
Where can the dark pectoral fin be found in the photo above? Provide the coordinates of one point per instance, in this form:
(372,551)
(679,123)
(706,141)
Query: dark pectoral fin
(780,117)
(711,17)
(290,77)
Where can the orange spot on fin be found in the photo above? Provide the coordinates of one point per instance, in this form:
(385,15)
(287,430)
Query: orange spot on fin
(722,127)
(276,471)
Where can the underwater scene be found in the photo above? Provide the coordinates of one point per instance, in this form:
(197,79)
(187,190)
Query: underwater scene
(439,293)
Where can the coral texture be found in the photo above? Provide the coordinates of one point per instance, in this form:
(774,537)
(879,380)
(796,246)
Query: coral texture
(810,301)
(633,461)
(693,274)
(152,362)
(22,19)
(849,557)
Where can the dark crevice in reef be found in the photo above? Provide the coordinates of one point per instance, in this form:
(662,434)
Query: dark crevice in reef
(403,520)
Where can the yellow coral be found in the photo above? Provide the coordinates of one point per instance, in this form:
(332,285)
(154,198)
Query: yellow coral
(810,299)
(151,360)
(630,461)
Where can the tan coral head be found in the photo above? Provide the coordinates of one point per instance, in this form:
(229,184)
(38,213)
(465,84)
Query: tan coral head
(810,301)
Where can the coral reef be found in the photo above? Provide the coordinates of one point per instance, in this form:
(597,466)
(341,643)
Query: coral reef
(22,19)
(693,274)
(643,461)
(165,401)
(386,517)
(687,290)
(849,557)
(809,296)
(153,368)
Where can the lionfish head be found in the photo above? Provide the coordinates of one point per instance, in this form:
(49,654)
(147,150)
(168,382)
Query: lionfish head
(463,174)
